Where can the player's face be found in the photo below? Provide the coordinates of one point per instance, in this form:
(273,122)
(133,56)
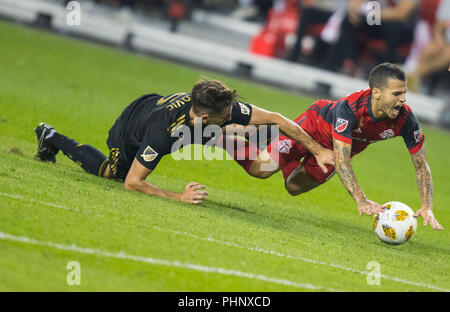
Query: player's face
(392,98)
(220,118)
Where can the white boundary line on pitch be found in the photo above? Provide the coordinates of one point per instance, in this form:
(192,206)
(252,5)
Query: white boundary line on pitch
(275,253)
(257,249)
(184,265)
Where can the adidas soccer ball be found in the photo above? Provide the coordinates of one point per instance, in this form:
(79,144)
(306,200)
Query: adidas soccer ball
(396,225)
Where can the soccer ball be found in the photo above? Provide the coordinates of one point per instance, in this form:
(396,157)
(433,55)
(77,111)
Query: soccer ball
(396,225)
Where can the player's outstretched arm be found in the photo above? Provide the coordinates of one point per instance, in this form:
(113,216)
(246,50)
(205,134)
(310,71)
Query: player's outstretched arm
(135,181)
(345,171)
(292,130)
(425,185)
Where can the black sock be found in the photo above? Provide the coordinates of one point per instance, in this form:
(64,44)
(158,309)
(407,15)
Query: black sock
(86,156)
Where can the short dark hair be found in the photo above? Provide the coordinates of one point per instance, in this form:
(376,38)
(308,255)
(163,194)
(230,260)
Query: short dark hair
(382,72)
(211,96)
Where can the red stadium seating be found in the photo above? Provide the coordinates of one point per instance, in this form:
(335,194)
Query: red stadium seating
(271,40)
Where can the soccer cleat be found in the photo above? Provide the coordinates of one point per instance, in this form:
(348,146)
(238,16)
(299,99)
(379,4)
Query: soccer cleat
(46,152)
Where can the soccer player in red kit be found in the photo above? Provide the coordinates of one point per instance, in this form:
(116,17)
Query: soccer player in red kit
(348,126)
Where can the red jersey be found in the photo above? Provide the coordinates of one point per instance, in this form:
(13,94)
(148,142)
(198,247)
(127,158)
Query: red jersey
(350,120)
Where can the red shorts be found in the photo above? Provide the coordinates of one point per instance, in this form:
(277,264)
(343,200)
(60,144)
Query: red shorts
(289,154)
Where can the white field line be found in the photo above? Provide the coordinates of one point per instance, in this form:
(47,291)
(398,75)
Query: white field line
(275,253)
(35,201)
(178,264)
(256,249)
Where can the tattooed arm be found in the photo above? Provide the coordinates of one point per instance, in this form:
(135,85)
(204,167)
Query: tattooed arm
(292,130)
(425,185)
(345,171)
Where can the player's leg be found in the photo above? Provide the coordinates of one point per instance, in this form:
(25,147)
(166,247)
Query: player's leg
(273,155)
(264,166)
(270,153)
(256,163)
(301,177)
(116,167)
(299,182)
(86,156)
(278,154)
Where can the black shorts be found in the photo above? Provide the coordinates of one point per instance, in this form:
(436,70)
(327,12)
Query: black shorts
(122,145)
(119,165)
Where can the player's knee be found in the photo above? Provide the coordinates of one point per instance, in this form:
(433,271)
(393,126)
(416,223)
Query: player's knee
(256,171)
(294,192)
(261,174)
(293,189)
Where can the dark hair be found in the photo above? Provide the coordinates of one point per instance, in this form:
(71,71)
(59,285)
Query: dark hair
(382,72)
(211,96)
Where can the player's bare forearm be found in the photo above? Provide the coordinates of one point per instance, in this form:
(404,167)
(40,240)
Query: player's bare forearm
(193,192)
(150,189)
(345,170)
(425,185)
(135,181)
(424,178)
(294,131)
(287,127)
(142,186)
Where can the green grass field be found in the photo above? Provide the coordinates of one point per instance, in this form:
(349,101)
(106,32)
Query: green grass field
(250,235)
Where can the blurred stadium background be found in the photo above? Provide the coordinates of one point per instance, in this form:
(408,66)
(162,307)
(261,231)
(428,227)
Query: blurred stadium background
(312,46)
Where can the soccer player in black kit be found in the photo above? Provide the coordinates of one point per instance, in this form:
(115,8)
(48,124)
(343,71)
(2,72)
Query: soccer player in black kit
(143,134)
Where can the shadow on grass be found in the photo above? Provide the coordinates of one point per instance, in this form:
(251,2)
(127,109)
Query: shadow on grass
(221,206)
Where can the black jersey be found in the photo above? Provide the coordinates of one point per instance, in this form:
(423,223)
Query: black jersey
(145,128)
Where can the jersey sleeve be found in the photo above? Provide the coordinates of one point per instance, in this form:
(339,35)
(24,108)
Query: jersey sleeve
(154,146)
(344,121)
(241,113)
(412,134)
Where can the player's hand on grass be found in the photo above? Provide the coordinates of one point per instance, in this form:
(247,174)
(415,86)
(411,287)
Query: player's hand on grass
(428,217)
(324,157)
(368,207)
(193,193)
